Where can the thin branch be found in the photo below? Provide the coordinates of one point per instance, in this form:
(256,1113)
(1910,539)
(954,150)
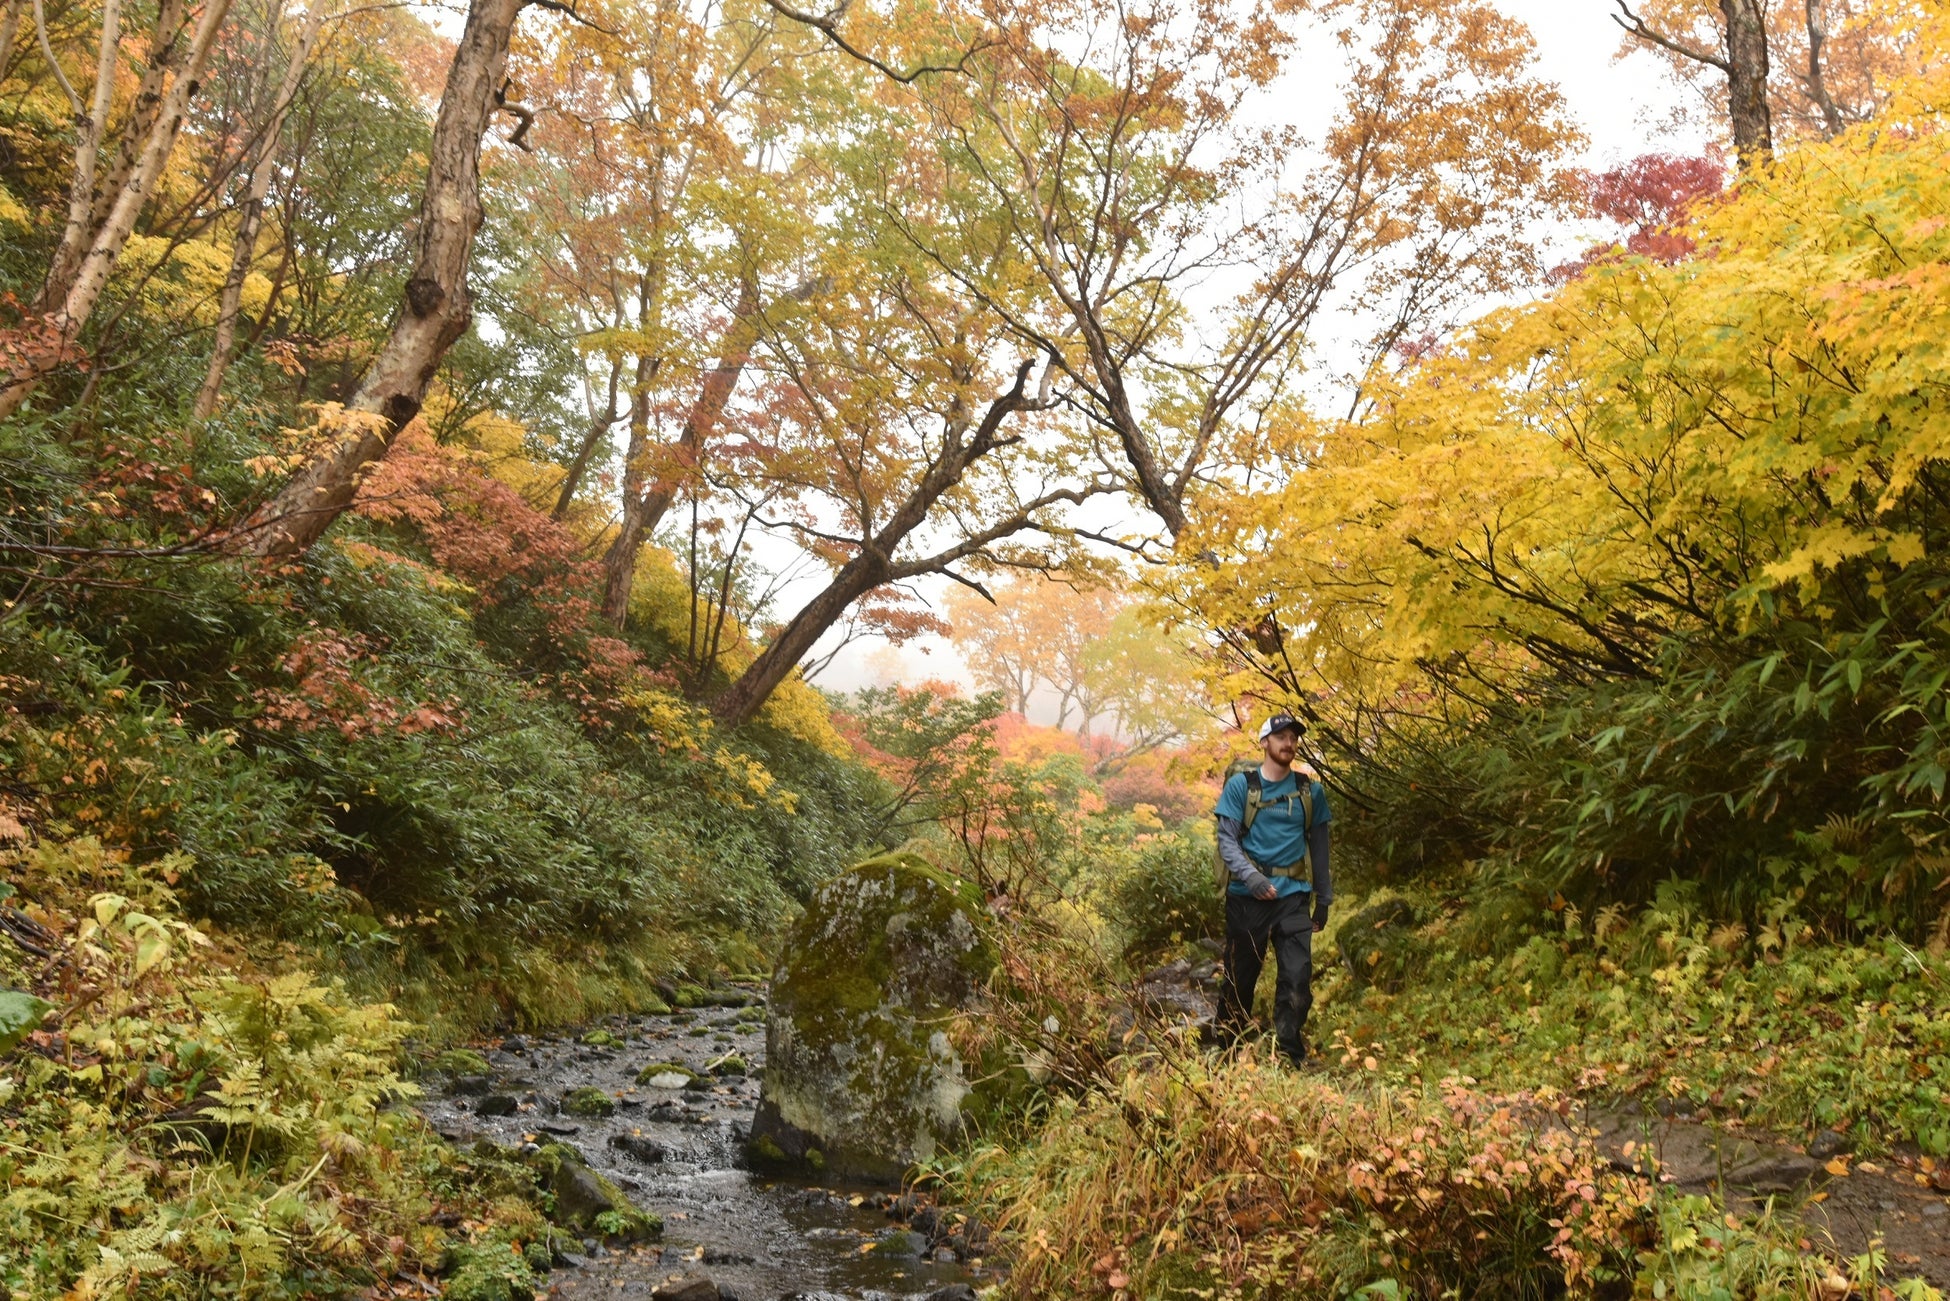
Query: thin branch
(1635,26)
(829,24)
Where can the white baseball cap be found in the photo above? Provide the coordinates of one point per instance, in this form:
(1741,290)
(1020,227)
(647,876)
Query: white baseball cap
(1281,722)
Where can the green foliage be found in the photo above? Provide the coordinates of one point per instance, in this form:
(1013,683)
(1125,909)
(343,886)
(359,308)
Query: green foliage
(492,1272)
(588,1101)
(1702,1254)
(200,1128)
(461,1061)
(20,1015)
(1379,947)
(1775,1027)
(1156,890)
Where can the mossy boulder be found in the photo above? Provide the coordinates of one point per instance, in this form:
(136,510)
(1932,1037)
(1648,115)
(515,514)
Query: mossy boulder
(674,1074)
(861,1080)
(1380,946)
(588,1102)
(461,1061)
(587,1203)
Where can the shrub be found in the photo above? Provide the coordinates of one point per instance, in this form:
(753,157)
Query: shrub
(1246,1181)
(194,1125)
(1161,893)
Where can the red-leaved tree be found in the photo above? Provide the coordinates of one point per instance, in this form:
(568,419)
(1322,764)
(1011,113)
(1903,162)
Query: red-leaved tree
(1649,196)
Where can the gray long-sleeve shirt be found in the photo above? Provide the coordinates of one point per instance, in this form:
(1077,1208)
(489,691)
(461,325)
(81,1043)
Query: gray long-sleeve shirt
(1241,867)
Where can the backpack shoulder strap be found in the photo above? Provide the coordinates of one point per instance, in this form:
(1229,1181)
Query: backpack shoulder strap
(1254,791)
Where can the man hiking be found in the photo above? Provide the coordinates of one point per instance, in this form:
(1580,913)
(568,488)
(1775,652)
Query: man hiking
(1273,841)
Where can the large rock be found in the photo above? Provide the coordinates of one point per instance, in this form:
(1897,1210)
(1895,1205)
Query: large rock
(588,1203)
(860,1078)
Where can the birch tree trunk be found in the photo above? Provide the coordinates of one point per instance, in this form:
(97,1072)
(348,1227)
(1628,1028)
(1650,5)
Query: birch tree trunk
(251,215)
(89,122)
(92,272)
(436,306)
(9,28)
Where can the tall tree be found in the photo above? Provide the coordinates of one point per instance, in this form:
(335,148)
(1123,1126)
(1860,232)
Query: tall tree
(259,173)
(994,633)
(1111,149)
(1820,66)
(646,262)
(1038,629)
(435,307)
(1740,54)
(103,206)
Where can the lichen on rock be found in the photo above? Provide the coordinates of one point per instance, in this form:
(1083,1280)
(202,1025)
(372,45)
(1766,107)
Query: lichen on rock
(860,1070)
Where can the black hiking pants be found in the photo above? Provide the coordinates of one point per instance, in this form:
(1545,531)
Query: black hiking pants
(1286,922)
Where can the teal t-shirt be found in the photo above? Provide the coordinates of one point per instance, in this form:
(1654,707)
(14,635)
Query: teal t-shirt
(1278,835)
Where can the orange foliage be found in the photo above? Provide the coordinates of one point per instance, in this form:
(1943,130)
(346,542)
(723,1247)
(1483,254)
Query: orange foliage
(481,531)
(330,692)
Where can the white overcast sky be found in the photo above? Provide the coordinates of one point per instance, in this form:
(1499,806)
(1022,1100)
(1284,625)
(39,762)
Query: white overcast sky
(1627,107)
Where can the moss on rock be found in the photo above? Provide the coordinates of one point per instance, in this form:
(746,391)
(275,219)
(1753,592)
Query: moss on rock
(461,1061)
(654,1069)
(588,1101)
(585,1202)
(859,1066)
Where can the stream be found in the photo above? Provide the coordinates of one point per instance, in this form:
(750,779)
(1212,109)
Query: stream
(676,1149)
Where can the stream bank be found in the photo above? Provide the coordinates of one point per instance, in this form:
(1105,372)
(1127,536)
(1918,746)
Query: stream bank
(674,1141)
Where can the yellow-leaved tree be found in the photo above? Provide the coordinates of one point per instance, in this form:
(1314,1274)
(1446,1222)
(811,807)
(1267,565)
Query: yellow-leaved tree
(1646,578)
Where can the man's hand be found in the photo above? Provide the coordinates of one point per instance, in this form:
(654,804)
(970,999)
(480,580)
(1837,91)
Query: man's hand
(1266,892)
(1320,919)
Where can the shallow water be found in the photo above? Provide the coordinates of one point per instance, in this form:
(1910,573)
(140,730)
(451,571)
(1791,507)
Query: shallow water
(758,1238)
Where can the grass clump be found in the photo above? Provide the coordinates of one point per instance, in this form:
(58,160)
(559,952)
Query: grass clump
(1258,1182)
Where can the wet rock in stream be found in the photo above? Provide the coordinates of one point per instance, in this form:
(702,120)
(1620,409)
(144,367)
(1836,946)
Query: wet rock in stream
(678,1153)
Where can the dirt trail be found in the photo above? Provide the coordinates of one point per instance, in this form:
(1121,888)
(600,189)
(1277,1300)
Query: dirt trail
(1843,1203)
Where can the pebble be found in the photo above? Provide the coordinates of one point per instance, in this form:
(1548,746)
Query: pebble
(1935,1209)
(1828,1143)
(496,1104)
(690,1287)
